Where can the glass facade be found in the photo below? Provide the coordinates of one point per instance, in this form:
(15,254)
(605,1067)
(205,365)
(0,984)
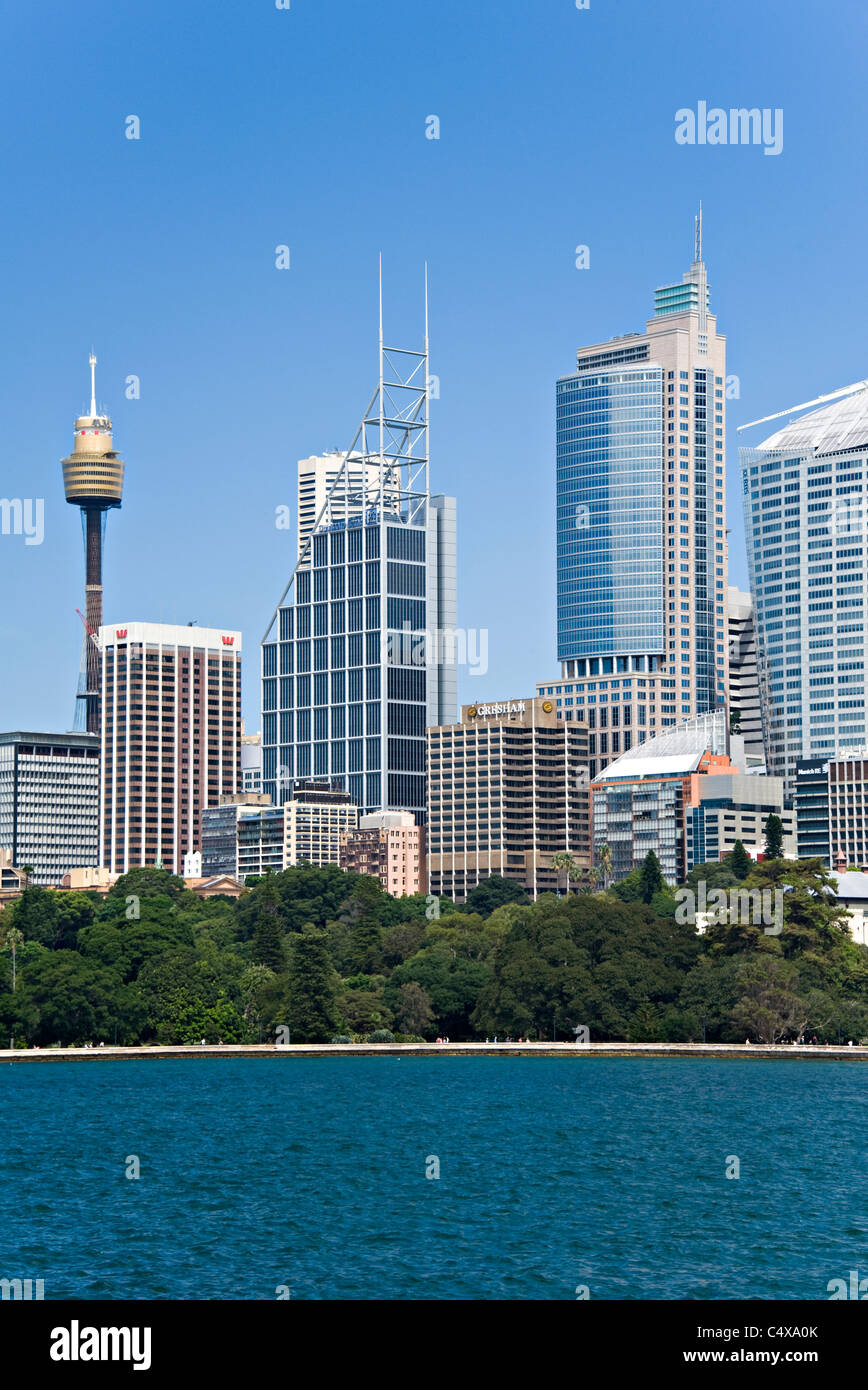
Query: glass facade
(360,664)
(610,512)
(806,543)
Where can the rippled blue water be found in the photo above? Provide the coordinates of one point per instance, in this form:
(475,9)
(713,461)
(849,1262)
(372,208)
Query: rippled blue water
(553,1173)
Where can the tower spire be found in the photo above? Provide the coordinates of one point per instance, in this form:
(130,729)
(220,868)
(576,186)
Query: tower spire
(92,360)
(697,234)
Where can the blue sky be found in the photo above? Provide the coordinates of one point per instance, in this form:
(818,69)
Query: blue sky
(306,127)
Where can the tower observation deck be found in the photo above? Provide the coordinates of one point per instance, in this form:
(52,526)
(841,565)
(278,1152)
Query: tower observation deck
(93,479)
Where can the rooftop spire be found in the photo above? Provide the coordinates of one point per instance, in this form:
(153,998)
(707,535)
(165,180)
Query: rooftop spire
(697,234)
(92,360)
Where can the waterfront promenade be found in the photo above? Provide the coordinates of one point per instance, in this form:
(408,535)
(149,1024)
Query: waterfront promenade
(574,1051)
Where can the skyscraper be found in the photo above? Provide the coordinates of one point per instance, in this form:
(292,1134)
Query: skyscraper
(171,739)
(508,790)
(317,476)
(744,700)
(805,497)
(641,523)
(93,478)
(360,654)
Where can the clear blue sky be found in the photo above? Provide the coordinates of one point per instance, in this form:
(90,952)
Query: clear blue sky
(307,127)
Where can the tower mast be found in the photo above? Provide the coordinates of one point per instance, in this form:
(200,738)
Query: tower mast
(93,478)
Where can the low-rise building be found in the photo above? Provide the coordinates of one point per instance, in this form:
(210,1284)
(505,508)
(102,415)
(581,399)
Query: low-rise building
(219,835)
(391,846)
(306,828)
(681,795)
(732,806)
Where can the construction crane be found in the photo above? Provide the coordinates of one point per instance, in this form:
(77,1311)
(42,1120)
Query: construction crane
(819,400)
(91,631)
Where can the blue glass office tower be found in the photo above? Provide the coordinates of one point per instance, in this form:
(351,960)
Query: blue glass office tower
(641,525)
(362,652)
(610,513)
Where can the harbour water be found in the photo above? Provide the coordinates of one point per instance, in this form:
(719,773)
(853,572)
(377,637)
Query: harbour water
(317,1178)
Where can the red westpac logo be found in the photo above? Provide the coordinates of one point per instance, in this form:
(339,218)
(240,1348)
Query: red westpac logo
(228,641)
(120,632)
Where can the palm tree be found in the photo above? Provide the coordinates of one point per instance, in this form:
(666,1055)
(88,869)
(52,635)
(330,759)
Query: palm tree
(565,864)
(604,856)
(594,877)
(14,939)
(577,875)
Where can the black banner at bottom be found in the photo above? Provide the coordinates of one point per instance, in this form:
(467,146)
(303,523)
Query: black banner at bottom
(84,1340)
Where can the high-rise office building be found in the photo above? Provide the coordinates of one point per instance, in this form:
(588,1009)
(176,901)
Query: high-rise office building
(641,520)
(171,738)
(805,498)
(507,790)
(811,803)
(361,652)
(49,794)
(317,477)
(744,699)
(93,478)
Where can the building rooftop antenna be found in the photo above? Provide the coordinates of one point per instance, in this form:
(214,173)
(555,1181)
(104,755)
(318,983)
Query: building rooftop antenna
(92,360)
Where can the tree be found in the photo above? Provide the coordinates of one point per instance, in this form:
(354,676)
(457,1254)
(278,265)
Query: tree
(604,858)
(313,989)
(769,1006)
(651,878)
(69,1000)
(739,861)
(774,831)
(35,915)
(415,1014)
(146,882)
(267,945)
(566,865)
(735,721)
(492,892)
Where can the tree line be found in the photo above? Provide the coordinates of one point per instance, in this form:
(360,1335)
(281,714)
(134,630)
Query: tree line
(328,955)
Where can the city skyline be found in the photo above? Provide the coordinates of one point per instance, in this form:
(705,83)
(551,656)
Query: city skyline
(235,361)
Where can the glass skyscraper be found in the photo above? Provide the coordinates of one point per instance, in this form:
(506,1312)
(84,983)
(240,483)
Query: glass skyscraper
(362,652)
(641,525)
(610,512)
(805,496)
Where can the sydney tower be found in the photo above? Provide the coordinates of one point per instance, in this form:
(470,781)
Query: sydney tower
(93,476)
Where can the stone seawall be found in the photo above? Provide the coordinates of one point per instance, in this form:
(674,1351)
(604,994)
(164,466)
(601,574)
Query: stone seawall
(722,1051)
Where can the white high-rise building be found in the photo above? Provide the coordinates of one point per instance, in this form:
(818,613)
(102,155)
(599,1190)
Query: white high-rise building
(49,803)
(805,493)
(744,700)
(317,476)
